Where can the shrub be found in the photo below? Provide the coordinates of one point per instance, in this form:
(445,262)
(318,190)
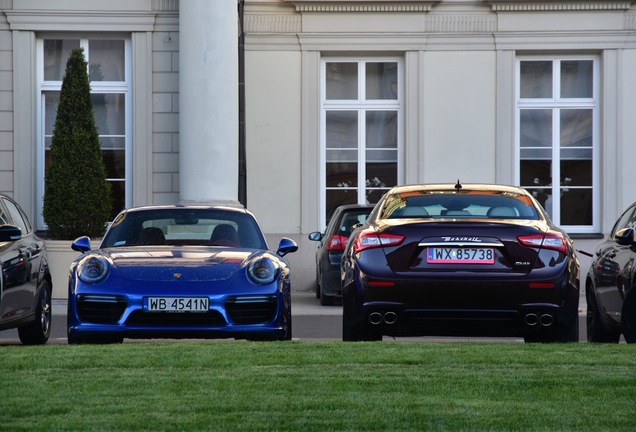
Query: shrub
(77,196)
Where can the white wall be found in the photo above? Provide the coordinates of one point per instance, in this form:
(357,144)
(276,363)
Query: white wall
(273,139)
(627,132)
(459,117)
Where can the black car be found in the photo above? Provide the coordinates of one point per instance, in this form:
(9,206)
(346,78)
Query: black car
(25,283)
(332,244)
(609,287)
(460,260)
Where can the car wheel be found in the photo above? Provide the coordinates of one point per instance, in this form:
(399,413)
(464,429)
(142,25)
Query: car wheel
(317,284)
(38,332)
(628,317)
(596,330)
(325,300)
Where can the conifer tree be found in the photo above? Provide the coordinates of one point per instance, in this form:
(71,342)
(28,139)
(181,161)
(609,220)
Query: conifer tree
(77,196)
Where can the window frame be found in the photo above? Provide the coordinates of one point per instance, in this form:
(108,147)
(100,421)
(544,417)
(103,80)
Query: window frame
(97,87)
(360,105)
(556,104)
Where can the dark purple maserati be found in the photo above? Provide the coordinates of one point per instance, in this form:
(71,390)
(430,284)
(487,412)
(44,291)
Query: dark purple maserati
(460,260)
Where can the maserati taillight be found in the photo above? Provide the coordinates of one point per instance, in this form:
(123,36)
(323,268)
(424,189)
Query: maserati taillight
(552,240)
(370,239)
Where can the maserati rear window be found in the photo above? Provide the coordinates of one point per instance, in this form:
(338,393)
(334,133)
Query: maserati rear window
(438,204)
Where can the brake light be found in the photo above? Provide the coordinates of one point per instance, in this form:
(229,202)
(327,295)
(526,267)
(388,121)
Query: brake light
(337,243)
(369,240)
(552,240)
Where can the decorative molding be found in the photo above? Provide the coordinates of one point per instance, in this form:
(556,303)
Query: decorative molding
(6,4)
(362,5)
(79,21)
(272,23)
(460,23)
(573,5)
(630,21)
(165,5)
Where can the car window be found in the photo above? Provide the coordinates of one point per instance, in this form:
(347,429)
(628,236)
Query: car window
(351,219)
(18,217)
(4,218)
(450,205)
(203,227)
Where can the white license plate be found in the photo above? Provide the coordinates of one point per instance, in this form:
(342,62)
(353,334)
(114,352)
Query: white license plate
(176,304)
(460,255)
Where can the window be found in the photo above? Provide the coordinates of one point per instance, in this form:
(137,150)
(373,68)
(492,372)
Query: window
(109,74)
(557,137)
(361,132)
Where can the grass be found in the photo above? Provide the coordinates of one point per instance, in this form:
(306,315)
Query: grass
(309,386)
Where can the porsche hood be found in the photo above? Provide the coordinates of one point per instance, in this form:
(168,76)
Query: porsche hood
(179,264)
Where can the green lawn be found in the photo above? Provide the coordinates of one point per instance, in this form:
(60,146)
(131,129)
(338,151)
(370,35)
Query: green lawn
(306,386)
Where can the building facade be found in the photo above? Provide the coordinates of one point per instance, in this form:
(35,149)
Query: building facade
(343,99)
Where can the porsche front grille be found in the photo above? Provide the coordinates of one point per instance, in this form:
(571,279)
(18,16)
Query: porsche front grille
(185,319)
(251,309)
(100,309)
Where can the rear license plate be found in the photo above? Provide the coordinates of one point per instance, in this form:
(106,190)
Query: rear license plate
(460,255)
(176,304)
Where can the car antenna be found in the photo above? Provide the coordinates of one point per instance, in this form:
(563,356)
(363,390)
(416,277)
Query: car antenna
(458,186)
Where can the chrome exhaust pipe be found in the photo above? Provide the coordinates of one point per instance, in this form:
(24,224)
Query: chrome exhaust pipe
(375,318)
(531,319)
(546,320)
(390,318)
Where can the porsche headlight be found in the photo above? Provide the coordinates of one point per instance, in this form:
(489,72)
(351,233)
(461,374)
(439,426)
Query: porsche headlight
(263,270)
(93,269)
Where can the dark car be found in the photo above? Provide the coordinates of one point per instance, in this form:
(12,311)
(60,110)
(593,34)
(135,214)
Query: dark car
(453,259)
(180,272)
(332,244)
(25,283)
(609,287)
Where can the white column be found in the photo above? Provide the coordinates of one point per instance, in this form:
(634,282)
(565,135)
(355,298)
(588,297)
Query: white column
(208,101)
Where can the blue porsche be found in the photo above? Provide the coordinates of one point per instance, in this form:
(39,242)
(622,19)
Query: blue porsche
(180,272)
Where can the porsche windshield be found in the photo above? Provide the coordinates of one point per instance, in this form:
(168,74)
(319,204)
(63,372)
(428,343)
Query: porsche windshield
(181,226)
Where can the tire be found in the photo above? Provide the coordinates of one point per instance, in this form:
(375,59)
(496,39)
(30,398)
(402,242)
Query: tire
(628,317)
(326,300)
(596,330)
(38,332)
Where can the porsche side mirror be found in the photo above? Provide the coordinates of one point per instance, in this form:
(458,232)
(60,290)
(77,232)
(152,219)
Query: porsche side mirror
(81,244)
(286,246)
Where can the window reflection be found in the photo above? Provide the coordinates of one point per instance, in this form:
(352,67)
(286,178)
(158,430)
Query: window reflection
(56,54)
(106,60)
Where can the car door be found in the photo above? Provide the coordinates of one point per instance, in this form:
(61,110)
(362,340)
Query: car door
(20,265)
(614,265)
